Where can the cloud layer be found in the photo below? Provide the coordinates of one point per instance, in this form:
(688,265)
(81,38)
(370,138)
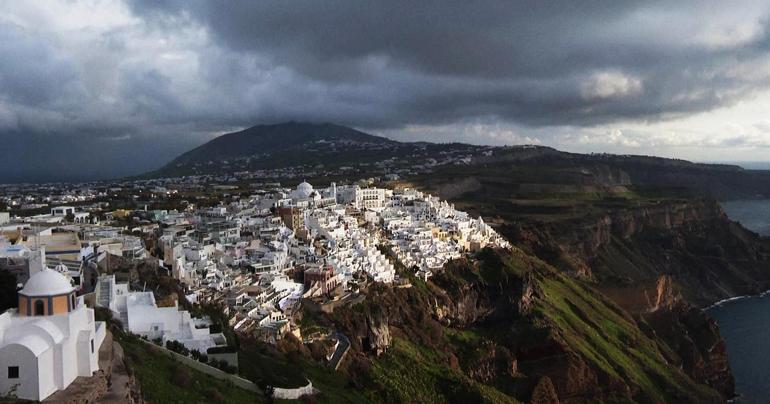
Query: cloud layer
(94,88)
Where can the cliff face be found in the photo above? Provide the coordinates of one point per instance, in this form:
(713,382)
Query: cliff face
(660,264)
(692,243)
(501,326)
(633,259)
(694,338)
(583,238)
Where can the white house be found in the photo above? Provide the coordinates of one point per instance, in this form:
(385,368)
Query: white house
(141,315)
(49,340)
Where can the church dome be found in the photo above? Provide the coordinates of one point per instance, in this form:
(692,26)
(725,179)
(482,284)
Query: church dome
(304,189)
(47,283)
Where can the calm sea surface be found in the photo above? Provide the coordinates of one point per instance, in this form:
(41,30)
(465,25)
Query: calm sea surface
(745,323)
(754,215)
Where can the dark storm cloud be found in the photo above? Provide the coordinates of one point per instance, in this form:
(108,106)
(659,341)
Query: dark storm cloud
(538,63)
(91,90)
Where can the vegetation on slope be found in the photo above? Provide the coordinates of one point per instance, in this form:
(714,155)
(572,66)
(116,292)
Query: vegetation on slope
(410,373)
(611,341)
(164,380)
(499,329)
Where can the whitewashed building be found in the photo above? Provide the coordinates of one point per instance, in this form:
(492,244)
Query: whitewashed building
(141,315)
(50,340)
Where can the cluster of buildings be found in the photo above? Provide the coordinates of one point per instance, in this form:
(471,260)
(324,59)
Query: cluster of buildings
(257,256)
(425,233)
(42,196)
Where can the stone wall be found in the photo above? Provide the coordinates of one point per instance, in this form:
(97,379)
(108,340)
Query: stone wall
(202,367)
(294,394)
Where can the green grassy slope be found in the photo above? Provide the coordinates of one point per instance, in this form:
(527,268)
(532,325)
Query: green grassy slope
(589,347)
(164,380)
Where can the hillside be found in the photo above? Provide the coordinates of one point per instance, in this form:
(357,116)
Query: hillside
(719,180)
(651,255)
(310,151)
(512,328)
(282,145)
(266,139)
(599,299)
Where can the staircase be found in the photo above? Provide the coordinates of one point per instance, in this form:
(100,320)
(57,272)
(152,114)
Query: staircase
(104,291)
(124,320)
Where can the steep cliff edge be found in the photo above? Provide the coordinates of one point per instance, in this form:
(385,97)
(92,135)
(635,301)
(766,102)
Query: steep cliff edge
(510,327)
(627,250)
(656,254)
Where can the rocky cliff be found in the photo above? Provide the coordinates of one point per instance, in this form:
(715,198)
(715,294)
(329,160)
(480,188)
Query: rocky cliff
(646,258)
(692,243)
(512,327)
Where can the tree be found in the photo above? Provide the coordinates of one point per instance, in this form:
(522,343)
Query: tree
(8,298)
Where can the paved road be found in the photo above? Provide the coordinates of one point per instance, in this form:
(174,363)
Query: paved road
(339,353)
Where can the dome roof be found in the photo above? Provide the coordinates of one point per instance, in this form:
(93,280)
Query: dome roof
(304,189)
(47,283)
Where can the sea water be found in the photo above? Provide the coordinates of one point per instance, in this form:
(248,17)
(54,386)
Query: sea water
(745,323)
(753,215)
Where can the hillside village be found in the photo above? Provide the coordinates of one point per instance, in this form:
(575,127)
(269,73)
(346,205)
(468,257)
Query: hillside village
(258,258)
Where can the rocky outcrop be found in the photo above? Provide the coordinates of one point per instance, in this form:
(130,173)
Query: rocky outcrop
(528,294)
(695,339)
(666,294)
(669,257)
(497,362)
(378,333)
(544,392)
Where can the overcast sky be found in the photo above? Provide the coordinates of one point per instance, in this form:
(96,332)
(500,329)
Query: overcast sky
(109,88)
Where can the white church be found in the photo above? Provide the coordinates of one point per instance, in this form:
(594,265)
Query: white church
(50,340)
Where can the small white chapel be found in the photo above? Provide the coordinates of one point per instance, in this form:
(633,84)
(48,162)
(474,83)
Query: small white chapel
(50,340)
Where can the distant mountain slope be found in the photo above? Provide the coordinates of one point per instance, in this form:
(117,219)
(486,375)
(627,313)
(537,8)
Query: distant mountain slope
(292,144)
(282,137)
(721,181)
(327,150)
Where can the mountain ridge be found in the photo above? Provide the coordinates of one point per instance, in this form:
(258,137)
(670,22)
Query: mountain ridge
(324,150)
(289,133)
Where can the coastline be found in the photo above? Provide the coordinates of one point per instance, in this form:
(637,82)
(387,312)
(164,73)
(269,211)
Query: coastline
(748,392)
(733,299)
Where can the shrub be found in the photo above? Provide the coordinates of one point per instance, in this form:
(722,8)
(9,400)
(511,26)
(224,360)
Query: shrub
(182,377)
(215,396)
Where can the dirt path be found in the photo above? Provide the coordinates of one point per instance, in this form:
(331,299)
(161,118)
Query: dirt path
(119,387)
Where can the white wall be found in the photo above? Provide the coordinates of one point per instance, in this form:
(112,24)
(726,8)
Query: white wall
(17,355)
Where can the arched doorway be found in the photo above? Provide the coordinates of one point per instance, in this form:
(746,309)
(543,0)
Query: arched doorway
(39,308)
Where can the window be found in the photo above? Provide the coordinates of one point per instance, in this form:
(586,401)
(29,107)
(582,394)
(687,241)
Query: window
(92,346)
(13,372)
(39,308)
